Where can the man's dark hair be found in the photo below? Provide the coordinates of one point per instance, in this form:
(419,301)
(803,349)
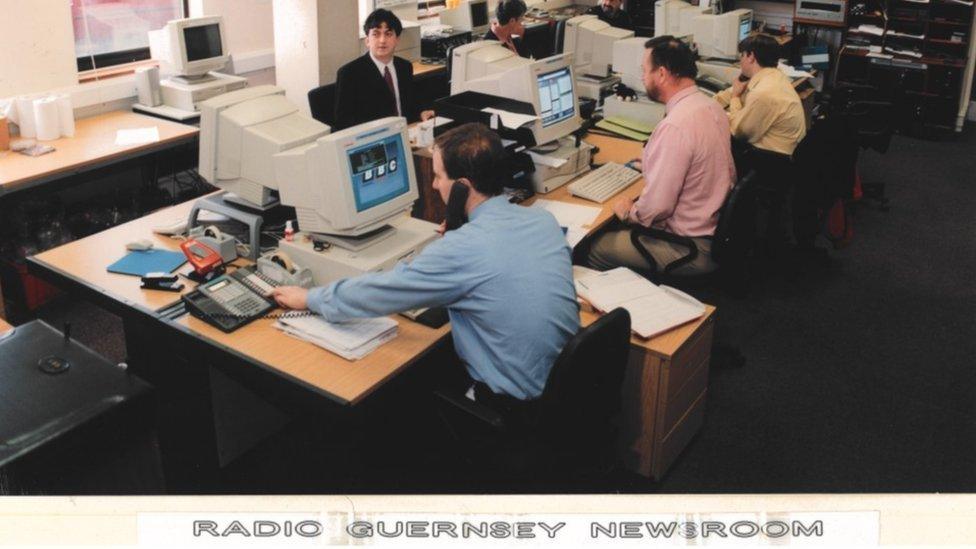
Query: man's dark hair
(474,152)
(506,10)
(764,47)
(674,55)
(376,19)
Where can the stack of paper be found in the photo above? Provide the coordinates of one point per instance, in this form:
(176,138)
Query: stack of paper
(351,340)
(574,218)
(653,309)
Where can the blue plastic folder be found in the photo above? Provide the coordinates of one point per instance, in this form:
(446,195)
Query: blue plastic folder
(140,263)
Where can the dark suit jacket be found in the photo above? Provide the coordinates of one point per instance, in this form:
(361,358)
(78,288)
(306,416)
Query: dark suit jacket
(362,94)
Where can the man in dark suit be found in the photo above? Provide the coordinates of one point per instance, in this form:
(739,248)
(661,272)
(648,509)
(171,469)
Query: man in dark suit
(378,84)
(612,12)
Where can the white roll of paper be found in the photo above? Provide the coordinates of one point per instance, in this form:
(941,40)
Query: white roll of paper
(67,115)
(25,117)
(46,119)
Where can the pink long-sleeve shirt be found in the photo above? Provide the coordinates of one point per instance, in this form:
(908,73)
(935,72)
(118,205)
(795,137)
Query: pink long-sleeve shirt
(688,168)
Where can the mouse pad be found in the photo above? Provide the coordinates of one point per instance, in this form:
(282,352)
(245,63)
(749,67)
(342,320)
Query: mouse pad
(140,263)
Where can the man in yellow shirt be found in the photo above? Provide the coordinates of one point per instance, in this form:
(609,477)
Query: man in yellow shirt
(765,109)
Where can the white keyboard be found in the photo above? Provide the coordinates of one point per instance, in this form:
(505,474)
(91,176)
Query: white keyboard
(602,183)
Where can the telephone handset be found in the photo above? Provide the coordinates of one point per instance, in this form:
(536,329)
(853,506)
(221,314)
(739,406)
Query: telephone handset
(233,300)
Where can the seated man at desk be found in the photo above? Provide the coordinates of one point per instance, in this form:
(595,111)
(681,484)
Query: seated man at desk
(765,111)
(612,13)
(763,106)
(377,84)
(687,167)
(507,27)
(504,275)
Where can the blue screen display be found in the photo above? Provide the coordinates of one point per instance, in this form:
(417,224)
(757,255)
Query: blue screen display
(378,173)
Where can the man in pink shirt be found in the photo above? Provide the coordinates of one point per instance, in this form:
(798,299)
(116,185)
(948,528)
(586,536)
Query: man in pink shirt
(687,166)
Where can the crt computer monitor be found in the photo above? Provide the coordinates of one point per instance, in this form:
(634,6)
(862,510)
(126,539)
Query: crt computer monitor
(549,85)
(480,59)
(591,40)
(471,16)
(351,182)
(241,131)
(190,47)
(718,36)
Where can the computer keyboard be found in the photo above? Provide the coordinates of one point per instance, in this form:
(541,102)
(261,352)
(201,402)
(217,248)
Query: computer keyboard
(603,182)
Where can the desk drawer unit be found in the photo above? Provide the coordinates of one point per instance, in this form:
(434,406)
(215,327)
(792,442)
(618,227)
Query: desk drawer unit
(664,402)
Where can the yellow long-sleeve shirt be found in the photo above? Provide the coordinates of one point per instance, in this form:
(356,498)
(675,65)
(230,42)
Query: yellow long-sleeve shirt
(768,114)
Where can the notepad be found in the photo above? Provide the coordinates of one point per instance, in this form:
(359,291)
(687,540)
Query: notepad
(351,340)
(653,309)
(141,263)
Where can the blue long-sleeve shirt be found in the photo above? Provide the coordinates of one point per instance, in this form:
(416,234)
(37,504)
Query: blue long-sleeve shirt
(506,280)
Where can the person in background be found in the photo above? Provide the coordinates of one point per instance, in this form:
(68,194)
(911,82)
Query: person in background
(377,84)
(764,108)
(507,27)
(687,168)
(612,12)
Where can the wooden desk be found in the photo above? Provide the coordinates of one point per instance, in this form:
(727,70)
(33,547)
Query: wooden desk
(425,70)
(4,326)
(82,263)
(93,145)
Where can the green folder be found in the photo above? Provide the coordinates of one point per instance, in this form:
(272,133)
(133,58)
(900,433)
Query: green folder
(626,127)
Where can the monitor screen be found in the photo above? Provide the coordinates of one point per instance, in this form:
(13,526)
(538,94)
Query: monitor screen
(202,42)
(377,171)
(479,14)
(745,27)
(556,96)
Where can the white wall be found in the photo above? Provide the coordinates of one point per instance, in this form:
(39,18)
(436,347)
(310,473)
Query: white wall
(37,49)
(37,53)
(249,27)
(313,38)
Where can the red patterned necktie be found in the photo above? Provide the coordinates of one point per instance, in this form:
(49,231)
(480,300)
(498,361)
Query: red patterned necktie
(389,83)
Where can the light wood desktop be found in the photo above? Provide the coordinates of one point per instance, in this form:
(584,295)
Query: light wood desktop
(346,382)
(4,326)
(92,145)
(665,372)
(427,70)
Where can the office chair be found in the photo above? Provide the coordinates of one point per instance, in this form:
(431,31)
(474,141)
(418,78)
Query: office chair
(732,243)
(873,120)
(572,437)
(559,36)
(321,101)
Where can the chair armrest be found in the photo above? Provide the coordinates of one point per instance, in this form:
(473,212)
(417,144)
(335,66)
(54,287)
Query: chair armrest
(474,410)
(638,231)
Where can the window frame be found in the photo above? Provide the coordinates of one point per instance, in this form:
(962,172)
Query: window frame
(121,57)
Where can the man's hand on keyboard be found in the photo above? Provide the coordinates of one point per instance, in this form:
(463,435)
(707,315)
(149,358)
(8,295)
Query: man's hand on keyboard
(291,297)
(636,164)
(621,207)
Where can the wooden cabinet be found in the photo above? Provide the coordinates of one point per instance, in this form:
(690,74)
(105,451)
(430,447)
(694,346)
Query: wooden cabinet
(916,57)
(664,392)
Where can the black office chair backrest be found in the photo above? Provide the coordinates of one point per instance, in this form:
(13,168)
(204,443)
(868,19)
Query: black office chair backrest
(321,101)
(736,230)
(559,36)
(582,395)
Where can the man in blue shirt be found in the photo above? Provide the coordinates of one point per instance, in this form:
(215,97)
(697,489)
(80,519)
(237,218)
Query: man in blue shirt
(505,275)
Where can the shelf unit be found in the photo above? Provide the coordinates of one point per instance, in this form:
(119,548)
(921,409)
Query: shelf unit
(927,87)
